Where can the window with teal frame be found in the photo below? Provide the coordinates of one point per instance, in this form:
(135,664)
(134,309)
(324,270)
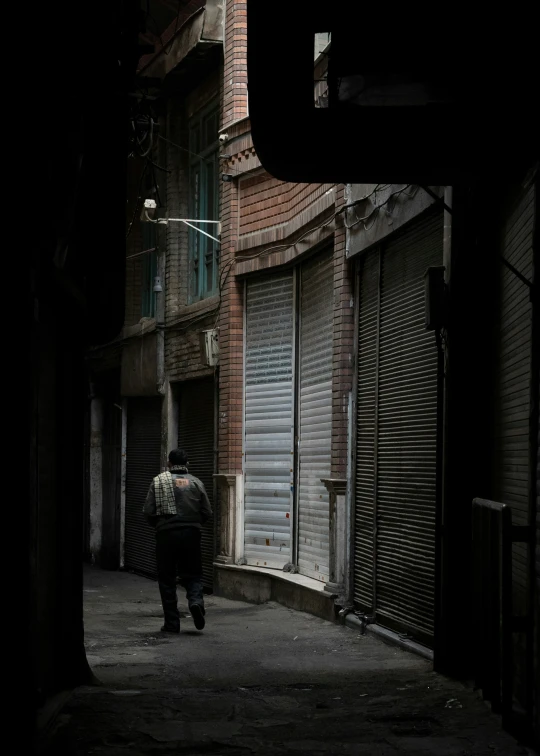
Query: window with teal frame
(149,271)
(204,202)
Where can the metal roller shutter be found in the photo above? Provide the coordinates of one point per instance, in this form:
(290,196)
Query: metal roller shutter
(407,433)
(268,460)
(143,458)
(364,530)
(315,415)
(512,473)
(196,435)
(396,434)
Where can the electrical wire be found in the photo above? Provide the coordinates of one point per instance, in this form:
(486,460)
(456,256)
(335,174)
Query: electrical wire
(222,280)
(376,208)
(150,140)
(159,167)
(290,243)
(377,188)
(140,142)
(156,187)
(241,258)
(195,154)
(144,252)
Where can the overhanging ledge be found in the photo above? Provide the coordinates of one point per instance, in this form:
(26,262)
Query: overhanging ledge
(203,29)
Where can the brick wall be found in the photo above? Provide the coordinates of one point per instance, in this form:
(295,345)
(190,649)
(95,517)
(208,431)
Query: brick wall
(176,202)
(235,104)
(231,378)
(231,311)
(182,355)
(257,211)
(182,320)
(133,243)
(267,202)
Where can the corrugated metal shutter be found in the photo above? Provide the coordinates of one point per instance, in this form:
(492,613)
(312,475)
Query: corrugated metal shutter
(512,473)
(404,386)
(315,415)
(196,434)
(268,461)
(143,457)
(364,528)
(407,433)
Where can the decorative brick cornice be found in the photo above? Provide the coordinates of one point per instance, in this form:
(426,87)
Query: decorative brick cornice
(285,231)
(287,255)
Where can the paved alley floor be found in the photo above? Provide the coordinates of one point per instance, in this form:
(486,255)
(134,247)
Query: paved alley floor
(259,679)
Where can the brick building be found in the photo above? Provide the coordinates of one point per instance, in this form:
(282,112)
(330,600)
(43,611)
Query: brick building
(322,432)
(280,257)
(285,332)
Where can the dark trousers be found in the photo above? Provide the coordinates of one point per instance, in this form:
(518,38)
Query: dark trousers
(178,554)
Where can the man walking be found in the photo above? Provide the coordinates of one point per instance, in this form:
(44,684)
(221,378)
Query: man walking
(177,505)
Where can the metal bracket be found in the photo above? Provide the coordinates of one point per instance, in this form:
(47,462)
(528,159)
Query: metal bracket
(188,222)
(516,272)
(436,197)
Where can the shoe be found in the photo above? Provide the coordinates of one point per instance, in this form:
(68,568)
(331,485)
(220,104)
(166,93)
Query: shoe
(197,612)
(168,629)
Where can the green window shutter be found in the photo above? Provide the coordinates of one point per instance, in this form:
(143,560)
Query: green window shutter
(204,203)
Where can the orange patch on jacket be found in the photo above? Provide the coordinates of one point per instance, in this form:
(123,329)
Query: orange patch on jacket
(181,482)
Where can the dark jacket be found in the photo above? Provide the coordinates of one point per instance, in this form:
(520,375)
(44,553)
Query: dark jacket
(192,505)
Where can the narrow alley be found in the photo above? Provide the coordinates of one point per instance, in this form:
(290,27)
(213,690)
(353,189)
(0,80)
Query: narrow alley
(280,344)
(260,679)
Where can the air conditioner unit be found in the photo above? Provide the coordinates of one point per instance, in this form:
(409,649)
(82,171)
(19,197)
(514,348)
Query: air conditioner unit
(209,347)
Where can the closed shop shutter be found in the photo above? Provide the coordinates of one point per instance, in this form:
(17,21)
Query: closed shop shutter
(397,469)
(407,433)
(143,463)
(512,461)
(364,530)
(268,461)
(196,435)
(315,415)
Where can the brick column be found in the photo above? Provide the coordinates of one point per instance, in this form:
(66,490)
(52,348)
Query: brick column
(235,104)
(231,340)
